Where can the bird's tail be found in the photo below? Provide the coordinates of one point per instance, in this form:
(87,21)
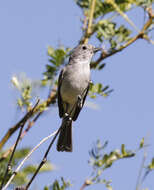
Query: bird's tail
(65,137)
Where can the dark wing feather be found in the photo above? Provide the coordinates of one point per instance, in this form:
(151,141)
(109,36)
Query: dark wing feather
(78,108)
(60,103)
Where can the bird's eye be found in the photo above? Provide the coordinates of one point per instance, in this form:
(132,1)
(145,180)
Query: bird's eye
(84,47)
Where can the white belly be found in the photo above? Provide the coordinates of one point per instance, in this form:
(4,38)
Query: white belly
(75,82)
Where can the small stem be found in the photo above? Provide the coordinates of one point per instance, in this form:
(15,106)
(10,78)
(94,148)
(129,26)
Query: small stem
(138,183)
(11,157)
(85,184)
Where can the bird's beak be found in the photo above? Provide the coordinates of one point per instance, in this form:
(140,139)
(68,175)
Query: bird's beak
(97,49)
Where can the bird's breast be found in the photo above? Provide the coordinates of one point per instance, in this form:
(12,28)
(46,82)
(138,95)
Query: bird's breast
(75,82)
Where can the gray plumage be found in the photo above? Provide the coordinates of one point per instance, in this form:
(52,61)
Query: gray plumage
(73,86)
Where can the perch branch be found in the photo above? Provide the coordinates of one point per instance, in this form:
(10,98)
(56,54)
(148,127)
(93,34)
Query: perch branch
(43,160)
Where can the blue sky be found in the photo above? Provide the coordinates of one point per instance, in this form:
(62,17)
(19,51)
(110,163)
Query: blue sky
(127,115)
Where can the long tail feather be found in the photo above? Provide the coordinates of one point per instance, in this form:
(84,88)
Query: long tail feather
(65,137)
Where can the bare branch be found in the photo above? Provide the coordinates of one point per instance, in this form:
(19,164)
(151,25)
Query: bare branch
(85,184)
(27,157)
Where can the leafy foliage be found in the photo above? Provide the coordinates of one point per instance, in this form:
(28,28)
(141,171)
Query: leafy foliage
(99,89)
(104,161)
(114,36)
(105,26)
(108,31)
(100,161)
(151,165)
(57,57)
(144,3)
(149,169)
(104,7)
(62,185)
(26,88)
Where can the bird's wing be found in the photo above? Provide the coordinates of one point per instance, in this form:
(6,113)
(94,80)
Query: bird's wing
(78,107)
(60,103)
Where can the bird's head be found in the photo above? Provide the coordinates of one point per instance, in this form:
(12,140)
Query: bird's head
(84,52)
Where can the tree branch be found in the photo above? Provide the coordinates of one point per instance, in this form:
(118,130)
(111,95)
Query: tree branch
(26,158)
(85,184)
(88,32)
(141,35)
(14,148)
(51,100)
(30,124)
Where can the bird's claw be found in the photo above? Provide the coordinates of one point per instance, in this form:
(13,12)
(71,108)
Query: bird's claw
(79,101)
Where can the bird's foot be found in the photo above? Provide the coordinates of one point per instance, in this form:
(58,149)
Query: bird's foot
(79,101)
(67,117)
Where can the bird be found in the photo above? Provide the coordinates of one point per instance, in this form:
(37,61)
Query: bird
(73,85)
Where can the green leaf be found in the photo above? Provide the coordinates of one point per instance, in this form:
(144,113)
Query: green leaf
(151,165)
(105,29)
(123,151)
(62,185)
(144,3)
(141,143)
(98,89)
(57,57)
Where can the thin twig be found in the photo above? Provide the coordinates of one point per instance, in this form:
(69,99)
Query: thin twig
(90,21)
(138,183)
(85,21)
(140,171)
(14,148)
(26,158)
(85,184)
(112,2)
(11,157)
(43,160)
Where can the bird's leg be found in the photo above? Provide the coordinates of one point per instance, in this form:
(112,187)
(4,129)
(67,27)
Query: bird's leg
(66,115)
(79,101)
